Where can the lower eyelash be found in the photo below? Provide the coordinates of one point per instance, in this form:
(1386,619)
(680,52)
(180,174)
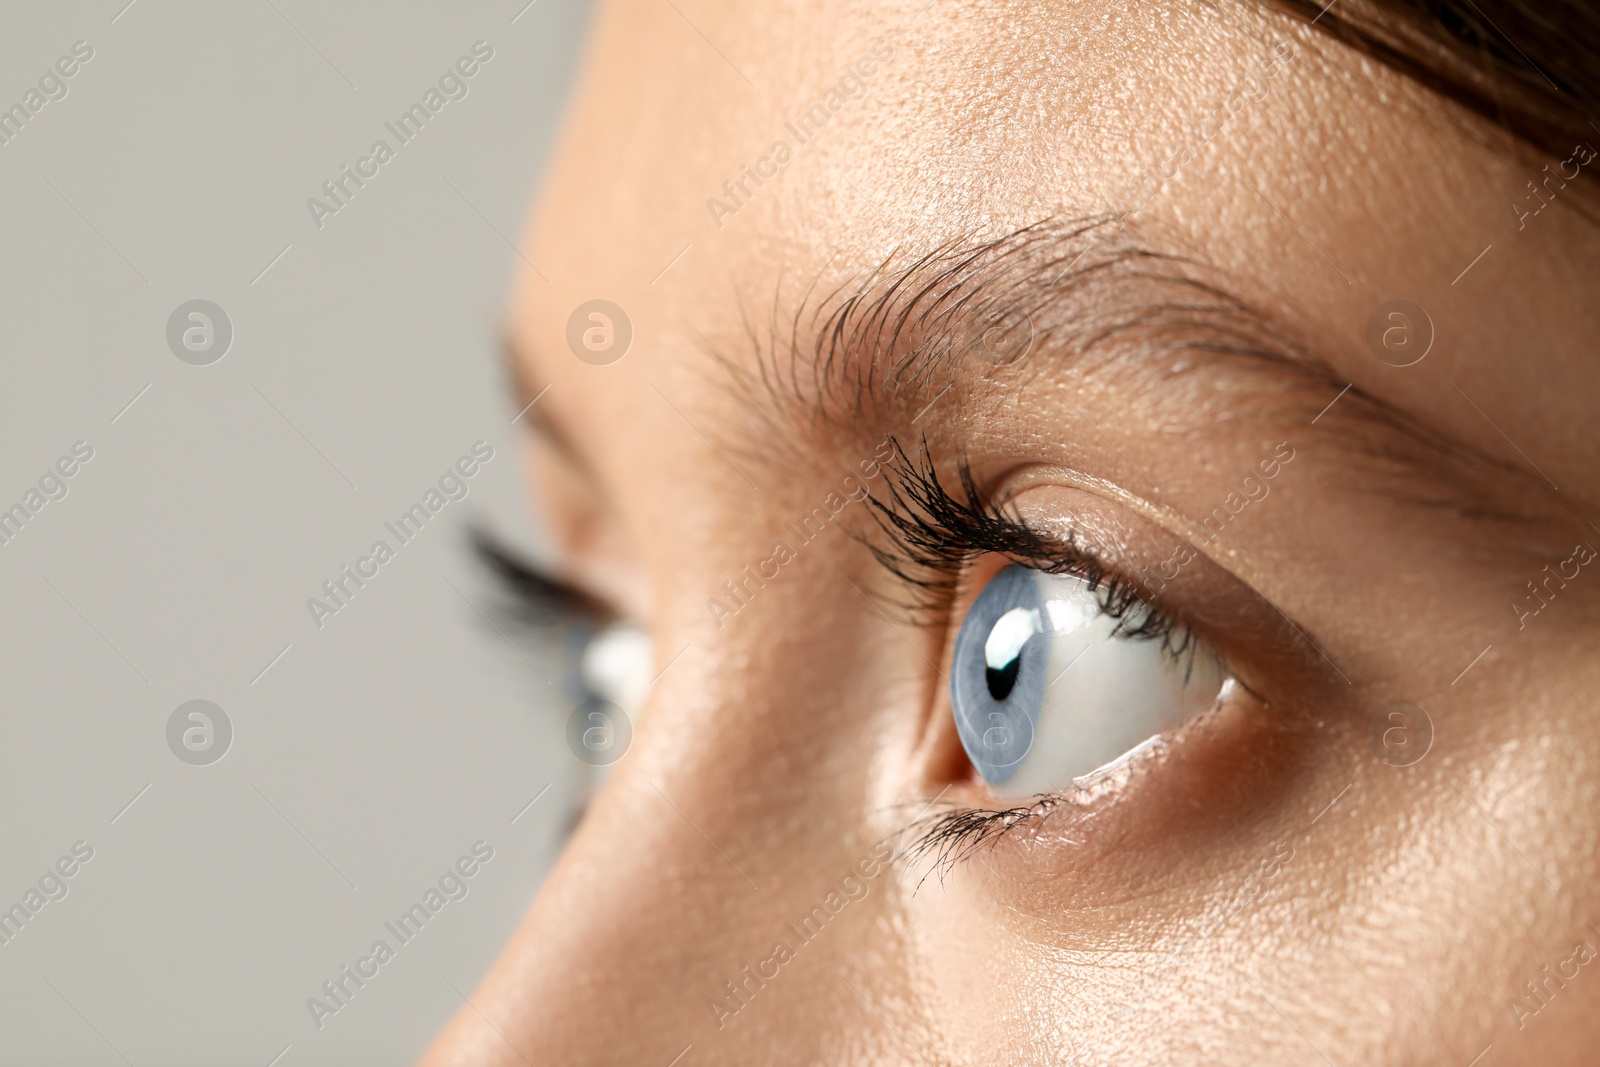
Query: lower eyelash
(950,837)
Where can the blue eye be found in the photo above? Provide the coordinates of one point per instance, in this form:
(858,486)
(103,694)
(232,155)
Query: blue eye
(1047,692)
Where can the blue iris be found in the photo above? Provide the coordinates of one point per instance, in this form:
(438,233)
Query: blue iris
(999,675)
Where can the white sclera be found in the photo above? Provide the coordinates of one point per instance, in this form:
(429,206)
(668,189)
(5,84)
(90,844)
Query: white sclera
(616,665)
(1106,695)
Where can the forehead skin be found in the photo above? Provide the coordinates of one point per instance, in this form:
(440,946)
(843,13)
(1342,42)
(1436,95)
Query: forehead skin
(774,753)
(993,116)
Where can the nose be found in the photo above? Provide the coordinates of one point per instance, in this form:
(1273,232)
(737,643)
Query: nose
(728,898)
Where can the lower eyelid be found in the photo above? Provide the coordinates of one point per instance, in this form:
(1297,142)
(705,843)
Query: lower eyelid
(1210,777)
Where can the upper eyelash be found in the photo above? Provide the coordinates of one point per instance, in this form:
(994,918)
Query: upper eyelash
(535,596)
(934,535)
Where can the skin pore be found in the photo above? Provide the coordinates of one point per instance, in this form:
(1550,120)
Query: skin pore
(1266,887)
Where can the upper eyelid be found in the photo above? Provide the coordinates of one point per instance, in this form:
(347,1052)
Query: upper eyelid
(1269,633)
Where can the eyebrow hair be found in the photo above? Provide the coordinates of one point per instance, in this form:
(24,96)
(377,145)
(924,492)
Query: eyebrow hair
(875,348)
(1092,295)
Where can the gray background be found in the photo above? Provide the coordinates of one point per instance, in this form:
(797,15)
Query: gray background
(375,751)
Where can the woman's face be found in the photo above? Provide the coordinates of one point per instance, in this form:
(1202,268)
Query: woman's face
(1132,269)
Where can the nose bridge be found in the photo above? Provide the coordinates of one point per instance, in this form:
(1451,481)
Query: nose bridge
(663,929)
(609,960)
(721,888)
(602,967)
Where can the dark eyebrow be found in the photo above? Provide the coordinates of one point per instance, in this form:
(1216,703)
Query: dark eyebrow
(1092,294)
(1071,289)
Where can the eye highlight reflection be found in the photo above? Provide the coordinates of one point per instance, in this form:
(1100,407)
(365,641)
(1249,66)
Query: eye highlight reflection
(1048,687)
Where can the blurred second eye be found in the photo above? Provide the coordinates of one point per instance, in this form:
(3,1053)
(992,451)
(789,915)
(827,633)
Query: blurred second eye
(1048,688)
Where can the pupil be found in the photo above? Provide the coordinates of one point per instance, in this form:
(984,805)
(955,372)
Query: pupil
(1002,679)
